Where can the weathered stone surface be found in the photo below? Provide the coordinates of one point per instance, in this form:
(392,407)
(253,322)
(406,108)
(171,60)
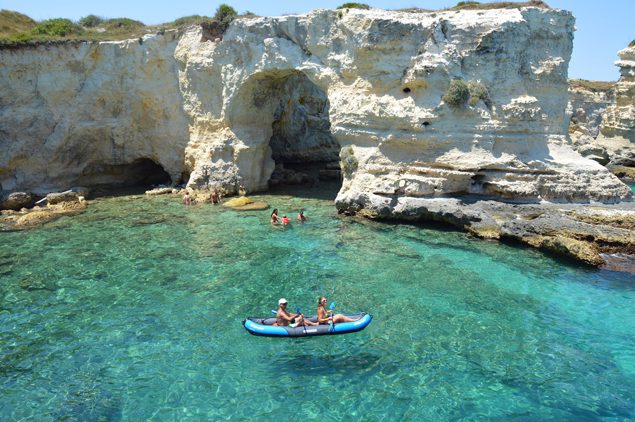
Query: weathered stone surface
(78,114)
(587,102)
(160,191)
(617,132)
(17,201)
(40,215)
(582,232)
(372,80)
(56,198)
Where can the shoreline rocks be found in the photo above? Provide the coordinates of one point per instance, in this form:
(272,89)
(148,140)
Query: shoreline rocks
(37,216)
(16,201)
(587,233)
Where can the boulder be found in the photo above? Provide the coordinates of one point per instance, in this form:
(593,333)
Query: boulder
(68,196)
(17,200)
(160,191)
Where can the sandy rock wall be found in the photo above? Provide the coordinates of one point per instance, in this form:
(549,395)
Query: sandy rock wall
(77,114)
(207,109)
(587,103)
(617,132)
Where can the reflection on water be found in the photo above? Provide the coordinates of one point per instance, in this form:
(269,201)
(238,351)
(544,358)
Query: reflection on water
(133,311)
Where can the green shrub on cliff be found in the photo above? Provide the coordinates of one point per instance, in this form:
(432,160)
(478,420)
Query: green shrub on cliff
(225,14)
(348,162)
(190,20)
(632,44)
(354,6)
(478,92)
(57,28)
(457,94)
(122,24)
(91,21)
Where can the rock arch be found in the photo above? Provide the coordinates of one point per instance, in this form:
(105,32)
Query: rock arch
(282,116)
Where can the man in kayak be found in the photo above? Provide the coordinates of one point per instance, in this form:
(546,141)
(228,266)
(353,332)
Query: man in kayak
(327,317)
(284,317)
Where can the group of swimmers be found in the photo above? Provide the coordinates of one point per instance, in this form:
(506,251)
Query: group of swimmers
(284,220)
(324,316)
(214,198)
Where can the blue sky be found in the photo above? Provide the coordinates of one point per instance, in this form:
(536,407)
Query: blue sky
(603,28)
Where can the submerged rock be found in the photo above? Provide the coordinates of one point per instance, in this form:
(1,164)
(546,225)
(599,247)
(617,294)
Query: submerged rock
(578,231)
(242,203)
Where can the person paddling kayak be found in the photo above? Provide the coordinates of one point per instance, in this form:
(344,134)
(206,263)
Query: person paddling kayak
(284,317)
(324,317)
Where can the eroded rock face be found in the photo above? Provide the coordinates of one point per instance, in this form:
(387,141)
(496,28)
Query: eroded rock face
(587,102)
(82,113)
(617,132)
(370,82)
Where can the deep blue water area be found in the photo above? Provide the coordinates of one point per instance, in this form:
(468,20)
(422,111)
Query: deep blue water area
(133,310)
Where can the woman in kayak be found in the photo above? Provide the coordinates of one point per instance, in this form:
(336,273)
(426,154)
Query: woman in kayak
(326,316)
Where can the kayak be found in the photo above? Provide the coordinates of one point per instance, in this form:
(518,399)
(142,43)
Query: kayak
(266,327)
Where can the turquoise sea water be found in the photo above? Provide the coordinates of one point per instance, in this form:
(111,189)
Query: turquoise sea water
(632,186)
(132,311)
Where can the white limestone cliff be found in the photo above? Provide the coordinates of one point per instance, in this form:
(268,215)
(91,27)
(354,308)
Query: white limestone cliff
(617,131)
(588,100)
(369,82)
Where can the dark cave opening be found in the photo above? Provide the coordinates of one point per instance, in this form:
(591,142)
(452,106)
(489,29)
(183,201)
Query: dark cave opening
(302,146)
(135,177)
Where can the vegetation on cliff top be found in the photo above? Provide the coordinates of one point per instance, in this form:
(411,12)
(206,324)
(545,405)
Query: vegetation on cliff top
(354,6)
(16,28)
(14,22)
(469,5)
(475,5)
(591,85)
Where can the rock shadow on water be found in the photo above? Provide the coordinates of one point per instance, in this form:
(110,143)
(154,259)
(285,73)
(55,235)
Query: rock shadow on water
(312,365)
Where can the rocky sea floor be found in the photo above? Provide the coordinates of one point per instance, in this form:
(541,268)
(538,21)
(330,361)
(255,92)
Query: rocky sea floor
(133,309)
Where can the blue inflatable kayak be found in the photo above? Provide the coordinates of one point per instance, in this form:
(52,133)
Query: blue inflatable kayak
(266,327)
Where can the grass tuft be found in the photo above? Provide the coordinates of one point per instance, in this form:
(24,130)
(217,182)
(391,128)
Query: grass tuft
(354,6)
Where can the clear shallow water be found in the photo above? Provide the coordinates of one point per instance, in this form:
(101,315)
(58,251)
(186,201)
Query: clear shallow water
(132,311)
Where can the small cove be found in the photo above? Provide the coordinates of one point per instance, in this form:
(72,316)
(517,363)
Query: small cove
(133,311)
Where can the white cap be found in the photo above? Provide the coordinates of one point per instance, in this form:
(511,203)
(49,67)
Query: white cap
(281,301)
